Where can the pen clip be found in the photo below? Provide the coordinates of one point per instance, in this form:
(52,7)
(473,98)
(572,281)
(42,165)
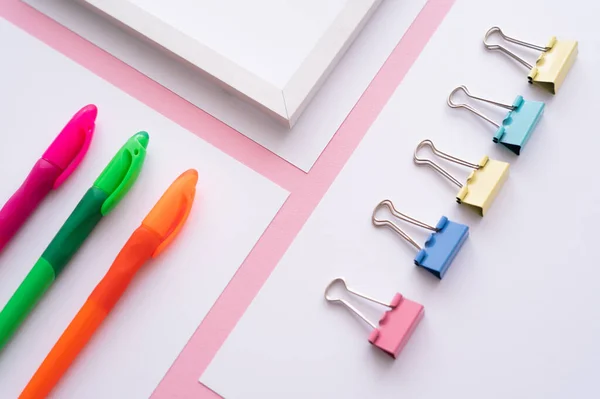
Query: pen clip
(126,166)
(70,146)
(172,210)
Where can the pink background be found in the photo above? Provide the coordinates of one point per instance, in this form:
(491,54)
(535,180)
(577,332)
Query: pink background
(306,189)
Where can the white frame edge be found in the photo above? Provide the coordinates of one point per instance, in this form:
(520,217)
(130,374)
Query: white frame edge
(285,105)
(323,58)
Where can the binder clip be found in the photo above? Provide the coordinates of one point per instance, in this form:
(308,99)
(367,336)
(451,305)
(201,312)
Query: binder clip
(552,65)
(440,248)
(522,118)
(483,183)
(395,326)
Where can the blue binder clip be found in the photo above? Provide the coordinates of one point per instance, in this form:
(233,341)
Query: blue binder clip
(522,118)
(441,247)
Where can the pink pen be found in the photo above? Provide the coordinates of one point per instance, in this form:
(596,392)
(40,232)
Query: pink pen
(57,163)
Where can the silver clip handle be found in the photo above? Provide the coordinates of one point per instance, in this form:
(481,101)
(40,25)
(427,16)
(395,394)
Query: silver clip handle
(463,88)
(509,39)
(348,305)
(443,155)
(388,223)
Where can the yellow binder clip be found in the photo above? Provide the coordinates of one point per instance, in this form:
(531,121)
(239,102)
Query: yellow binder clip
(552,65)
(483,183)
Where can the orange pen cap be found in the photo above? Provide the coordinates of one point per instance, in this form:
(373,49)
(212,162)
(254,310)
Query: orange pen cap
(172,209)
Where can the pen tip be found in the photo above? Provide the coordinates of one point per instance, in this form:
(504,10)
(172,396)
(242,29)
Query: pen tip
(191,174)
(90,111)
(143,138)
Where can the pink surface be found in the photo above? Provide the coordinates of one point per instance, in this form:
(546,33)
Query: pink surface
(306,190)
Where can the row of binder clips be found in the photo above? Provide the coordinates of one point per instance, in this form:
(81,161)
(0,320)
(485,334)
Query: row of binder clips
(481,187)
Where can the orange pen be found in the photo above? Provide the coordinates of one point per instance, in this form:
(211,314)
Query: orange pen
(156,232)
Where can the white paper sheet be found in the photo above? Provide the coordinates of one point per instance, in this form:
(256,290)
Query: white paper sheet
(303,144)
(515,316)
(40,90)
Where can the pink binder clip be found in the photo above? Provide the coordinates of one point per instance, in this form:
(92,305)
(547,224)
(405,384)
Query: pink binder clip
(395,326)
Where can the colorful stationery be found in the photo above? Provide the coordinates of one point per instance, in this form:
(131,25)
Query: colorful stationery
(442,246)
(482,185)
(395,326)
(551,67)
(49,172)
(518,124)
(106,192)
(156,232)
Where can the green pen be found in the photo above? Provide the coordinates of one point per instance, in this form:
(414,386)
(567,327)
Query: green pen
(113,184)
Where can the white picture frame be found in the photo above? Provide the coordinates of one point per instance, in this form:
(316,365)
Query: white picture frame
(283,104)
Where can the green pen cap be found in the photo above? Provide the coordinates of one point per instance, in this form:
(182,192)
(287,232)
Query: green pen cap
(122,171)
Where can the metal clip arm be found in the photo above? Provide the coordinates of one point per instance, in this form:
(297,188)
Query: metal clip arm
(463,88)
(332,299)
(509,39)
(443,155)
(388,223)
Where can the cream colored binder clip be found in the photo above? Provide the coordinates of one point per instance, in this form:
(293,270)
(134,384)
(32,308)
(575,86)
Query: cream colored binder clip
(551,67)
(483,184)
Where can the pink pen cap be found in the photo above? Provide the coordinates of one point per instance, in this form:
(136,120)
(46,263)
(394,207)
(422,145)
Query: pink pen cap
(395,326)
(49,172)
(70,146)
